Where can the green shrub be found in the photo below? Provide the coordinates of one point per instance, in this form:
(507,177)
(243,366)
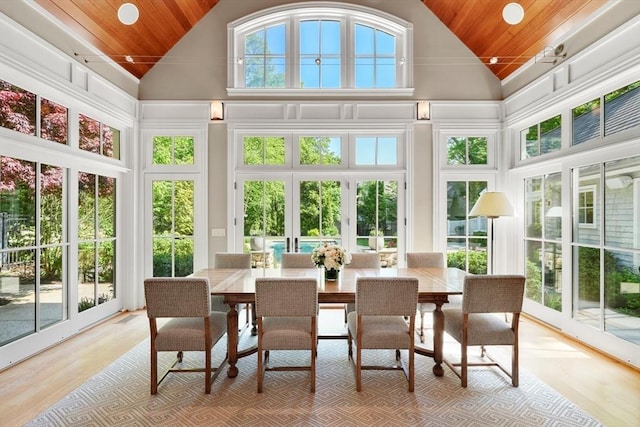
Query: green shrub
(85,304)
(477,261)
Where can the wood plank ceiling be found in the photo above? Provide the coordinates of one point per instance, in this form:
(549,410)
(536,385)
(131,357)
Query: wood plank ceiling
(477,23)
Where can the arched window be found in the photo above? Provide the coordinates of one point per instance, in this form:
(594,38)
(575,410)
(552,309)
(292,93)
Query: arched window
(314,48)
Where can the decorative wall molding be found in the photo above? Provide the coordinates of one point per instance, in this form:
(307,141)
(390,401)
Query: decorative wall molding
(33,59)
(306,111)
(173,113)
(614,61)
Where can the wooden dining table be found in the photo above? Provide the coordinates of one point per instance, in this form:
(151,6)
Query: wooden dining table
(237,286)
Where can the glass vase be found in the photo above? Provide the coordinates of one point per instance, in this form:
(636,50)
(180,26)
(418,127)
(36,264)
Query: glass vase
(331,274)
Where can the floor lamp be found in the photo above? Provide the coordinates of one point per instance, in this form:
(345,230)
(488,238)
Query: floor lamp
(492,204)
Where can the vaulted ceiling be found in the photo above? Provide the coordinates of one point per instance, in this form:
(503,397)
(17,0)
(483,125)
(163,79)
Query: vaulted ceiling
(477,23)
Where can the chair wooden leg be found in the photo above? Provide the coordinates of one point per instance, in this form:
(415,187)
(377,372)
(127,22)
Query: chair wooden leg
(260,371)
(463,366)
(412,372)
(313,369)
(154,371)
(254,321)
(358,369)
(207,371)
(514,364)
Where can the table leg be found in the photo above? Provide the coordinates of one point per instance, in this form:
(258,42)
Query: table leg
(438,339)
(232,340)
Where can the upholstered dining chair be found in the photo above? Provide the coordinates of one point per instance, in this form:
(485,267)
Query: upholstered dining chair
(425,260)
(230,260)
(475,322)
(193,326)
(286,309)
(382,303)
(361,260)
(364,260)
(296,260)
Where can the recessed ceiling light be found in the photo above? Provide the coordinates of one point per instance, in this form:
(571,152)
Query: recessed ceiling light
(513,13)
(128,13)
(129,59)
(493,60)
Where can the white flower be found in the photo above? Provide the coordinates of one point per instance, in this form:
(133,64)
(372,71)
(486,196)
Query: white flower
(330,256)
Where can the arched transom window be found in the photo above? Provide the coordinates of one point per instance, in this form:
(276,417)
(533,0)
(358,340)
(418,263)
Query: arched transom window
(318,47)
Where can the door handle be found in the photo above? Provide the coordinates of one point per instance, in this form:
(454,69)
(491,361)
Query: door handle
(295,240)
(288,243)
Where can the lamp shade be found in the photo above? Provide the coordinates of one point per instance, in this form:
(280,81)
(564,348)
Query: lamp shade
(554,212)
(492,204)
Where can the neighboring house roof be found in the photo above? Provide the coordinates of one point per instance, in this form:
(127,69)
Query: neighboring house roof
(620,114)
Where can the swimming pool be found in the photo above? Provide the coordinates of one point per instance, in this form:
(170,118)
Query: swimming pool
(306,247)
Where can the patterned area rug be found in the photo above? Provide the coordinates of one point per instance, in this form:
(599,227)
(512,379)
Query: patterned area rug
(119,396)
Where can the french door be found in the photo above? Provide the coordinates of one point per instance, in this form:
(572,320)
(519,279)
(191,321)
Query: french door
(295,212)
(174,225)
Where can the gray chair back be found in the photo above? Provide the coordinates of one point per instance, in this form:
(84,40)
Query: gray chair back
(425,260)
(177,297)
(364,260)
(289,297)
(386,296)
(232,260)
(296,260)
(493,293)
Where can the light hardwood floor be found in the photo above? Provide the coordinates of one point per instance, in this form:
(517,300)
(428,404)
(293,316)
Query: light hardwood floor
(606,389)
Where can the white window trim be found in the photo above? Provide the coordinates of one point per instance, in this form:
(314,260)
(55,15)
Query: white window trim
(348,15)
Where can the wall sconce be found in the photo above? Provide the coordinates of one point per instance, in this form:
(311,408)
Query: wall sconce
(217,110)
(424,110)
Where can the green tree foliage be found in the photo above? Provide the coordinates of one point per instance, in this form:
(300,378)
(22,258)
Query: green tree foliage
(178,150)
(589,274)
(377,207)
(467,151)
